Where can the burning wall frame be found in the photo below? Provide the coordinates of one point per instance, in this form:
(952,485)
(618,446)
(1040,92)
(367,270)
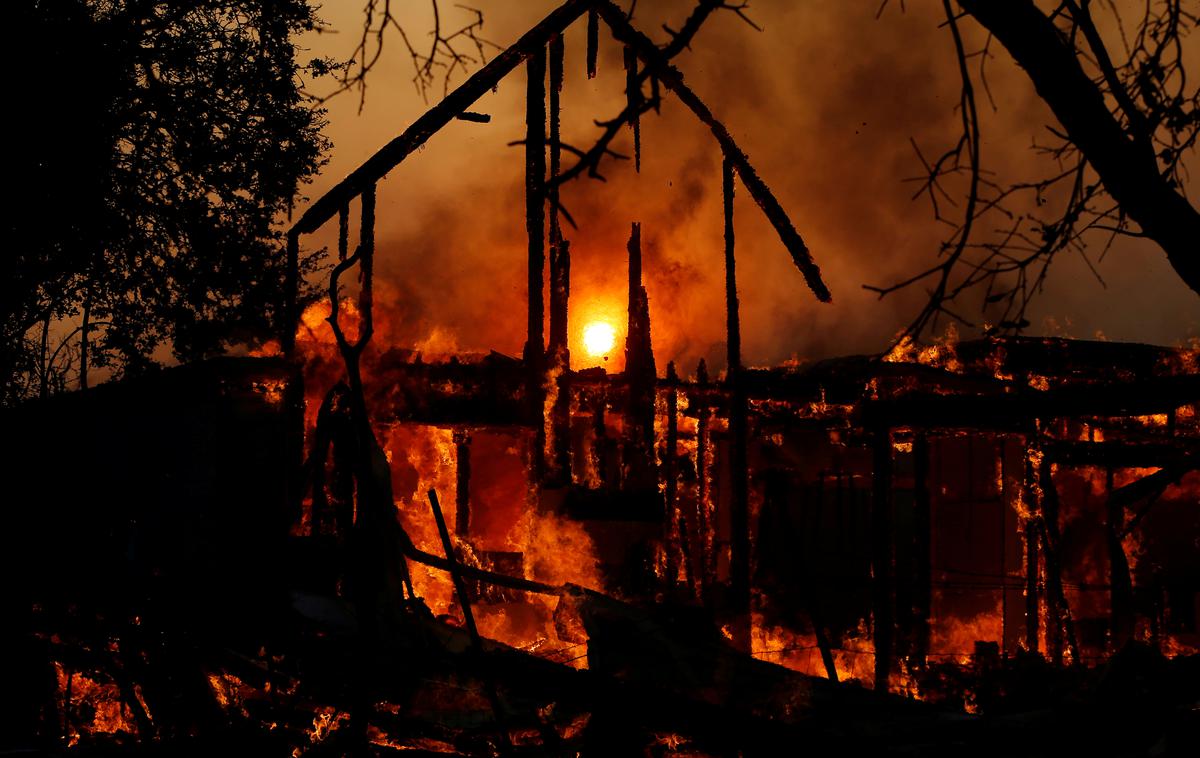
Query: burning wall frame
(908,402)
(546,366)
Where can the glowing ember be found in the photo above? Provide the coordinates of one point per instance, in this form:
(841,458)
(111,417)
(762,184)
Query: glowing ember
(599,338)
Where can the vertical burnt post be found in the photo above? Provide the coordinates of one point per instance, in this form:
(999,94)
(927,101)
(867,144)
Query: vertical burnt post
(881,553)
(1060,626)
(704,521)
(633,104)
(677,520)
(291,286)
(559,463)
(922,596)
(535,227)
(1120,583)
(1031,494)
(641,377)
(462,491)
(739,512)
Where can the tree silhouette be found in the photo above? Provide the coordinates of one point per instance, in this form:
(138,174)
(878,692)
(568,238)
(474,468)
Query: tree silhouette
(1127,117)
(158,144)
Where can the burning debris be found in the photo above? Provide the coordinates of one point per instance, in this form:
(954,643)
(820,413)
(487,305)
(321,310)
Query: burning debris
(369,549)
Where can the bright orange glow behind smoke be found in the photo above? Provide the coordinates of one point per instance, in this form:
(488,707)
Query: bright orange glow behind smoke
(599,338)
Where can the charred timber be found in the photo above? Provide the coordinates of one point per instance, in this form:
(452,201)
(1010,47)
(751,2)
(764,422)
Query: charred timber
(1061,624)
(922,593)
(535,225)
(1018,409)
(462,491)
(1030,494)
(641,376)
(1120,582)
(1178,455)
(462,98)
(677,519)
(650,54)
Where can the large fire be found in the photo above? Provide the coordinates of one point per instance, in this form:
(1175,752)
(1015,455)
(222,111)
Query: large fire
(599,337)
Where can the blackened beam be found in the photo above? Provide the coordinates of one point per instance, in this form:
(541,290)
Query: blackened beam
(1015,410)
(1123,454)
(483,575)
(653,57)
(454,104)
(1154,484)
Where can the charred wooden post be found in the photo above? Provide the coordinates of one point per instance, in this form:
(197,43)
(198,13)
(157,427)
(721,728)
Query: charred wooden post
(677,518)
(739,513)
(633,104)
(704,515)
(343,244)
(558,469)
(462,490)
(556,83)
(1031,493)
(922,596)
(593,41)
(1061,627)
(881,554)
(600,445)
(641,377)
(1120,584)
(535,227)
(652,56)
(560,363)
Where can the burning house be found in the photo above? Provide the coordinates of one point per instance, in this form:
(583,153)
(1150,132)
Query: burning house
(462,554)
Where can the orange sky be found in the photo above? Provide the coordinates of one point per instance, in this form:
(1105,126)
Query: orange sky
(824,101)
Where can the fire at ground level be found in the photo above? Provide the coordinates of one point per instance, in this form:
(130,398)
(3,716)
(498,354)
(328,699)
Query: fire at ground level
(999,527)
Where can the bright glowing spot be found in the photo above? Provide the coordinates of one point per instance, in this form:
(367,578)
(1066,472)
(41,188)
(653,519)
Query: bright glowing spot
(599,338)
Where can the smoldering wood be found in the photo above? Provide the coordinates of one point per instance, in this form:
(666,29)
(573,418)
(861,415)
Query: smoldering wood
(739,429)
